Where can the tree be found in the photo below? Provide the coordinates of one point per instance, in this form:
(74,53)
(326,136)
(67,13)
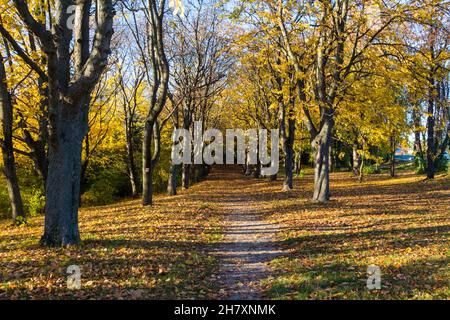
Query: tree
(32,131)
(101,120)
(160,84)
(6,143)
(372,120)
(340,35)
(71,78)
(152,53)
(131,92)
(426,57)
(173,170)
(197,45)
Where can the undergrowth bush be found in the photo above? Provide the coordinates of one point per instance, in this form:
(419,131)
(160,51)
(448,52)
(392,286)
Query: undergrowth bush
(372,169)
(36,202)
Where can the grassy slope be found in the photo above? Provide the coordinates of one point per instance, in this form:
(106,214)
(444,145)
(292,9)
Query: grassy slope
(401,225)
(128,252)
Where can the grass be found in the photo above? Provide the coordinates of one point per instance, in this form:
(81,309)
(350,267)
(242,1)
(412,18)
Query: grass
(128,252)
(401,225)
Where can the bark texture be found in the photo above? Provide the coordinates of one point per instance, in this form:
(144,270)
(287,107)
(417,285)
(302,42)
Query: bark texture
(321,150)
(157,70)
(70,82)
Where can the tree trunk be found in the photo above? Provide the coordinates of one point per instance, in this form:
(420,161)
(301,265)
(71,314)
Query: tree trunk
(205,170)
(193,174)
(298,163)
(337,152)
(288,148)
(417,141)
(63,183)
(431,144)
(330,152)
(84,166)
(288,169)
(185,176)
(172,184)
(12,184)
(287,132)
(9,166)
(321,150)
(392,167)
(147,167)
(361,170)
(248,167)
(133,177)
(149,160)
(431,148)
(257,170)
(130,163)
(357,159)
(173,171)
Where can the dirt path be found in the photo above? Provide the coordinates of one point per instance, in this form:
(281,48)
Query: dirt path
(249,243)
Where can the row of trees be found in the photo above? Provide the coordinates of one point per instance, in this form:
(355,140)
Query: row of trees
(336,77)
(363,74)
(69,82)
